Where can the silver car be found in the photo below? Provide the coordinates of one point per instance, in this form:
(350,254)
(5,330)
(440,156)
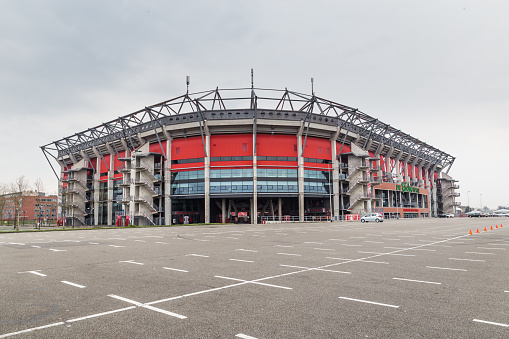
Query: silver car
(377,217)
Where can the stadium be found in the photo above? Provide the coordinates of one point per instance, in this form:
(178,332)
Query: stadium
(247,155)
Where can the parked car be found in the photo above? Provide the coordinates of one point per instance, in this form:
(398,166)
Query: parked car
(377,217)
(449,215)
(475,215)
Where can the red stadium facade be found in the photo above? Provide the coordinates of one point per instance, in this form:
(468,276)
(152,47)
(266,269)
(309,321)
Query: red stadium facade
(247,156)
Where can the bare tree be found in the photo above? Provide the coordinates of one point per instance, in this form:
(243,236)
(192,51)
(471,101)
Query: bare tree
(19,188)
(38,186)
(3,199)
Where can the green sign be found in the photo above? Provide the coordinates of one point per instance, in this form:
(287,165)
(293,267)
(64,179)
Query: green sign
(405,187)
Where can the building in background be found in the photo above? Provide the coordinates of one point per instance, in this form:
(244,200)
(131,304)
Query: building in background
(30,207)
(246,156)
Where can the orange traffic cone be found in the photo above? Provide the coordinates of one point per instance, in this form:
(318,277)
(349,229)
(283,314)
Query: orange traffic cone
(491,227)
(485,230)
(501,225)
(497,226)
(470,232)
(477,231)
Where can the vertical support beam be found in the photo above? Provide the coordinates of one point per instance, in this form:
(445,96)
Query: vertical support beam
(223,211)
(111,173)
(167,183)
(97,177)
(207,177)
(300,182)
(254,215)
(335,174)
(280,208)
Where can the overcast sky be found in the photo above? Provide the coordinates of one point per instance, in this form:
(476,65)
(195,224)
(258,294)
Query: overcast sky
(438,70)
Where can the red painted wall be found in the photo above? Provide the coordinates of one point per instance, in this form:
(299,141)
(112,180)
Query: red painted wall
(154,147)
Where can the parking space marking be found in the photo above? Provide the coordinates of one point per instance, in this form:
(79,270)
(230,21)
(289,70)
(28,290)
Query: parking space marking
(93,243)
(31,329)
(351,245)
(244,250)
(253,282)
(490,323)
(492,248)
(467,259)
(36,273)
(72,284)
(55,250)
(100,314)
(115,246)
(369,302)
(175,269)
(152,308)
(241,260)
(313,242)
(480,253)
(140,240)
(243,336)
(374,262)
(316,269)
(297,255)
(132,262)
(324,249)
(197,255)
(374,242)
(34,246)
(447,268)
(391,239)
(338,258)
(419,281)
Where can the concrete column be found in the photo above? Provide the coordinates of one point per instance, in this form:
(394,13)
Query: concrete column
(254,215)
(280,209)
(111,173)
(207,179)
(223,211)
(167,184)
(97,176)
(335,178)
(132,188)
(300,179)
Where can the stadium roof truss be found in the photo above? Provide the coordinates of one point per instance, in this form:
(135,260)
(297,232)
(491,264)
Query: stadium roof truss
(124,132)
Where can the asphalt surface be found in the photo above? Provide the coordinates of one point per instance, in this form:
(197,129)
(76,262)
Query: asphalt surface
(420,278)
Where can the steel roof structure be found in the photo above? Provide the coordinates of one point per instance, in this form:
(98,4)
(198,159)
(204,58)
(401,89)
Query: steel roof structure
(123,132)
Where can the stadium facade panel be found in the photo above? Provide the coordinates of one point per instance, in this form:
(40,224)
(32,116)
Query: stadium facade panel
(247,156)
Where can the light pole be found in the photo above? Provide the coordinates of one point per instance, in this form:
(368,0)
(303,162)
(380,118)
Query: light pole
(480,198)
(468,200)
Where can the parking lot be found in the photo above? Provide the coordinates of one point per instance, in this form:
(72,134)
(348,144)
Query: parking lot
(416,278)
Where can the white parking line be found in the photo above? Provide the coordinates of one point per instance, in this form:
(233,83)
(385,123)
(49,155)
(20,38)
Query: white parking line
(100,314)
(420,281)
(313,242)
(324,249)
(351,245)
(241,260)
(243,336)
(243,250)
(374,242)
(55,250)
(132,262)
(297,255)
(490,323)
(467,259)
(31,329)
(115,246)
(72,284)
(175,269)
(369,302)
(492,248)
(480,253)
(253,282)
(36,273)
(316,269)
(197,255)
(447,268)
(152,308)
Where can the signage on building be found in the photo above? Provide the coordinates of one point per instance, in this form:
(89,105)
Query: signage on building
(405,187)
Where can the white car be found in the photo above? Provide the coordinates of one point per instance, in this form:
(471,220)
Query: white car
(449,215)
(377,217)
